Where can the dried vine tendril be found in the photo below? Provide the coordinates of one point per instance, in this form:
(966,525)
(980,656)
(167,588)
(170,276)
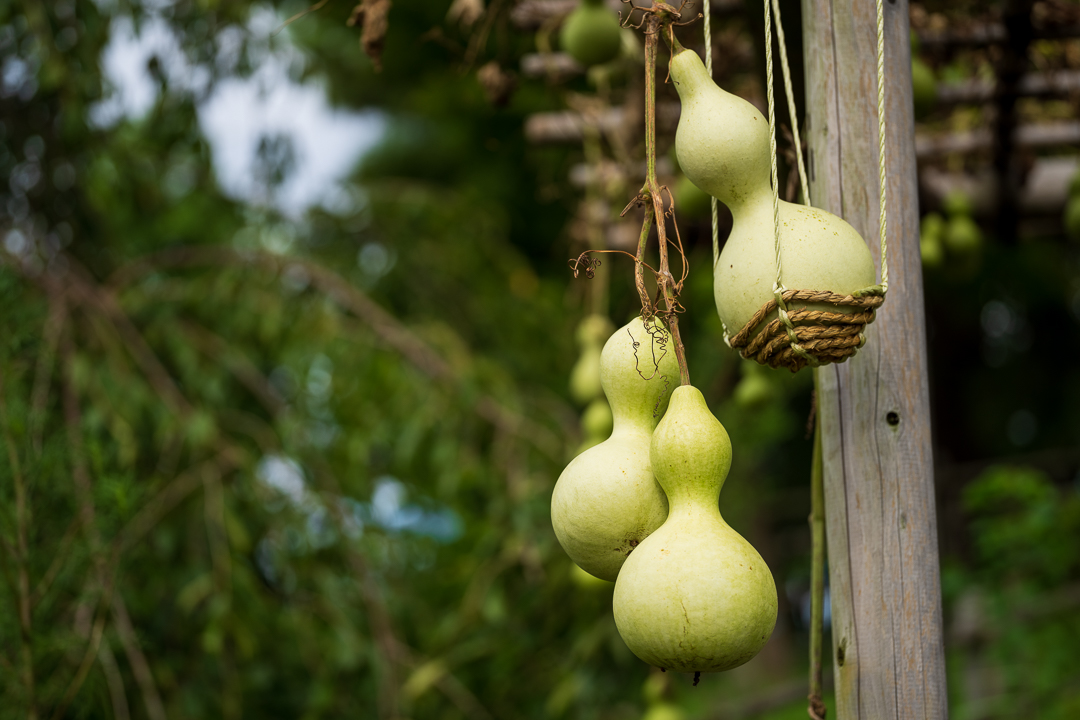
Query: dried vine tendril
(664,322)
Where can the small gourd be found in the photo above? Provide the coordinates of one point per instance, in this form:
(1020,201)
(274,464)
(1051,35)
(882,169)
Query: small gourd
(585,375)
(931,232)
(591,34)
(722,143)
(962,235)
(693,202)
(694,596)
(607,501)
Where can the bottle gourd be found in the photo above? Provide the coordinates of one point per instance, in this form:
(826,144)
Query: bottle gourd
(694,596)
(591,34)
(607,501)
(722,143)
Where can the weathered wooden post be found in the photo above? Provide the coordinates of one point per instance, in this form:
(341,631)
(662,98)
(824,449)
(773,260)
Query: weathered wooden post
(879,491)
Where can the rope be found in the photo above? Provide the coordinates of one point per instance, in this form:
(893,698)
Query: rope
(778,286)
(804,337)
(791,103)
(712,200)
(881,141)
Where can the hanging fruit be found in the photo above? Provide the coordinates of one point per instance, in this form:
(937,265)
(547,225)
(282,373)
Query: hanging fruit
(592,331)
(722,143)
(694,596)
(931,232)
(591,34)
(694,203)
(607,501)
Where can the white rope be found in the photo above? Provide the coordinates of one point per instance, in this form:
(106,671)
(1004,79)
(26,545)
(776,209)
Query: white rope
(712,200)
(791,103)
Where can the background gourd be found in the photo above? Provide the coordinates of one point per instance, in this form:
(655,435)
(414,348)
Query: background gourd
(591,34)
(931,240)
(694,596)
(1071,218)
(592,332)
(607,501)
(722,143)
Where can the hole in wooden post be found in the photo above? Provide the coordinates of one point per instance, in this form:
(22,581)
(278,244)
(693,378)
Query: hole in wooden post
(893,418)
(840,652)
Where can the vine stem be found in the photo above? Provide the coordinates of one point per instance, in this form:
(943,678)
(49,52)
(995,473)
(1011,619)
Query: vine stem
(816,708)
(21,558)
(654,24)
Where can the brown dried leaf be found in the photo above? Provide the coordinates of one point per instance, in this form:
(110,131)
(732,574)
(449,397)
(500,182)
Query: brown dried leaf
(465,12)
(371,15)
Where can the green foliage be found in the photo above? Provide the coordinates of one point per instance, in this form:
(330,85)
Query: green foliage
(1025,532)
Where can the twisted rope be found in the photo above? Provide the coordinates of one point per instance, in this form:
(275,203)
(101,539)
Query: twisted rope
(712,200)
(778,285)
(881,141)
(782,42)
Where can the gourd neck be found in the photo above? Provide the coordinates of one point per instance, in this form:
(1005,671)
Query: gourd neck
(756,205)
(691,452)
(693,501)
(633,423)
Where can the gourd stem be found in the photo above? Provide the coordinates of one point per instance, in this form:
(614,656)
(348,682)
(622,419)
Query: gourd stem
(654,25)
(816,707)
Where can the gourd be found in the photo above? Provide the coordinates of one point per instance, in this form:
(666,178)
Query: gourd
(1071,218)
(931,232)
(693,202)
(962,235)
(694,596)
(722,143)
(585,376)
(607,501)
(591,34)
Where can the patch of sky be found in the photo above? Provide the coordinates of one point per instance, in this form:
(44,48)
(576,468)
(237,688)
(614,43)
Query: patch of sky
(388,508)
(259,125)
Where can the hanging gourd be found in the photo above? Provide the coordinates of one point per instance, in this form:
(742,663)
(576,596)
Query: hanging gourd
(724,147)
(591,34)
(592,332)
(607,501)
(694,596)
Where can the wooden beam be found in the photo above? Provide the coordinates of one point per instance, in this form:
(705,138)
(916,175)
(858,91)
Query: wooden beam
(881,527)
(1063,133)
(1059,83)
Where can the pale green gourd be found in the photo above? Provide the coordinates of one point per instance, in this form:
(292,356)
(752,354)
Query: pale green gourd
(606,500)
(585,375)
(722,143)
(591,34)
(694,596)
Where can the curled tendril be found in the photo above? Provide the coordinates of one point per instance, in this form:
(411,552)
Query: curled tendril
(658,348)
(585,262)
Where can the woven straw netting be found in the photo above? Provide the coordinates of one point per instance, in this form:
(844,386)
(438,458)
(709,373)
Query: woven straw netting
(826,336)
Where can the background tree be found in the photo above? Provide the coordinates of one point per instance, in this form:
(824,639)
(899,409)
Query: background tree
(300,467)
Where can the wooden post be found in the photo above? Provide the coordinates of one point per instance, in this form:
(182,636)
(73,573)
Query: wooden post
(888,654)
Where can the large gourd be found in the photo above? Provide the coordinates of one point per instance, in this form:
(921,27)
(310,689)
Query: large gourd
(607,501)
(722,144)
(694,596)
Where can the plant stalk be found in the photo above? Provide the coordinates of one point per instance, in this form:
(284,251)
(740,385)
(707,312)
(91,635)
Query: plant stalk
(651,190)
(816,708)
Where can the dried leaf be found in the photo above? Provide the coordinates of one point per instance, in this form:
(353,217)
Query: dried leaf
(371,15)
(498,84)
(466,12)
